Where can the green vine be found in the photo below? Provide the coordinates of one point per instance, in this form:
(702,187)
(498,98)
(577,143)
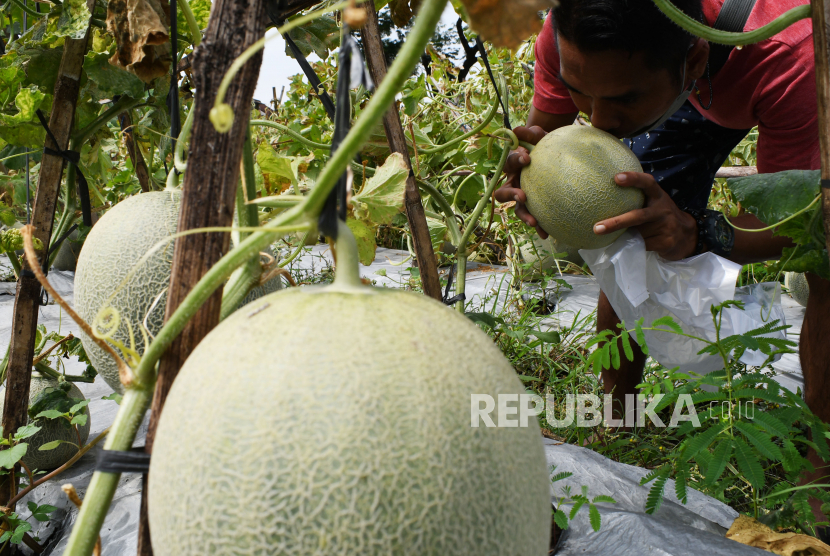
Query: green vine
(137,398)
(734,39)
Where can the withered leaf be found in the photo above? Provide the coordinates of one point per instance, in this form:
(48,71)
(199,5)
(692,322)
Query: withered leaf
(506,22)
(140,28)
(402,11)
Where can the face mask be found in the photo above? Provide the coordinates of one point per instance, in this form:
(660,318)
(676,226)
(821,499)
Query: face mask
(675,106)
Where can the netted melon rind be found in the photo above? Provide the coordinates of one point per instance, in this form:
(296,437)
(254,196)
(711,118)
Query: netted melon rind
(796,283)
(333,423)
(51,430)
(111,250)
(570,184)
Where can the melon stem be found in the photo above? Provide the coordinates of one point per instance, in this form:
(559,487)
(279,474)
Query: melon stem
(137,398)
(347,273)
(486,198)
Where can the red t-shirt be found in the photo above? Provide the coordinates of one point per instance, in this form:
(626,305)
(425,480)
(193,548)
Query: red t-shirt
(771,84)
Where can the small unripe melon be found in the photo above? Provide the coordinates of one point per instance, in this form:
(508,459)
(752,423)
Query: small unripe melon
(319,421)
(51,429)
(539,254)
(796,283)
(570,185)
(114,246)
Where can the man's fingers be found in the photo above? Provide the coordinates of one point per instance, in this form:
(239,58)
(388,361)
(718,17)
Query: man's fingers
(644,182)
(626,220)
(532,134)
(524,216)
(542,233)
(516,160)
(505,194)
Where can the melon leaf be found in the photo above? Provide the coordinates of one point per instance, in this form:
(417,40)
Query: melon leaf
(365,237)
(8,458)
(382,196)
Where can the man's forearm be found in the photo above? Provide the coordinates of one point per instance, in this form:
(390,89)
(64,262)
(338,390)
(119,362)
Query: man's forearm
(754,247)
(547,121)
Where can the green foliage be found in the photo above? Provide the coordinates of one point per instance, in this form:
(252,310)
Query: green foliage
(107,81)
(320,36)
(577,502)
(752,424)
(775,197)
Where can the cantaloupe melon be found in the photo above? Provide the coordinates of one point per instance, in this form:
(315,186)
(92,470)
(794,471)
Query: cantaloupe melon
(539,254)
(51,429)
(570,185)
(112,249)
(319,421)
(796,283)
(67,257)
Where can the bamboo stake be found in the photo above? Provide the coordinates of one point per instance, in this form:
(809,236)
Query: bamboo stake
(424,253)
(821,45)
(209,190)
(27,296)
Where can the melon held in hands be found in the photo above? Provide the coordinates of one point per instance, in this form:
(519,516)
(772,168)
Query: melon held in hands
(570,185)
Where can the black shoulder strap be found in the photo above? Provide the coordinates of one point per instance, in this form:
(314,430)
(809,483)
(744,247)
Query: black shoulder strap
(732,17)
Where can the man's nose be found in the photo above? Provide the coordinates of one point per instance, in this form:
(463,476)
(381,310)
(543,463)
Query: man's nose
(604,117)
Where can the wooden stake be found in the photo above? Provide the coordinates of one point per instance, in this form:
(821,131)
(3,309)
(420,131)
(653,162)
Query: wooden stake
(821,46)
(27,296)
(376,60)
(209,190)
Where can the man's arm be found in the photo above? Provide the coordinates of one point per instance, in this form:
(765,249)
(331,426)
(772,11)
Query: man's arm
(549,122)
(538,125)
(672,233)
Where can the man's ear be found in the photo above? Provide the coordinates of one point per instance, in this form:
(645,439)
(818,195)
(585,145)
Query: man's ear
(696,59)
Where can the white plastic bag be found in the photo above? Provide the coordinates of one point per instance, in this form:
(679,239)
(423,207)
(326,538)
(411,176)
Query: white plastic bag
(641,284)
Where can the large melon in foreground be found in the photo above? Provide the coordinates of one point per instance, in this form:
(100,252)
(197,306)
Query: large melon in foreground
(112,250)
(51,429)
(319,421)
(570,185)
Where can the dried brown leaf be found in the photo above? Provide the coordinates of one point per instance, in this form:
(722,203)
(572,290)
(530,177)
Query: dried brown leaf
(401,12)
(140,28)
(506,22)
(748,531)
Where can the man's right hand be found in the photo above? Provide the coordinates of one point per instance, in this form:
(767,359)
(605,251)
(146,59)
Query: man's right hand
(511,190)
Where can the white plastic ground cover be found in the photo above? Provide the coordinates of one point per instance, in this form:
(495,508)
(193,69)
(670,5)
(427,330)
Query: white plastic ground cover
(119,533)
(692,529)
(677,530)
(641,284)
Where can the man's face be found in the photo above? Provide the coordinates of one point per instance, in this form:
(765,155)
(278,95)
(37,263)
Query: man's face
(620,93)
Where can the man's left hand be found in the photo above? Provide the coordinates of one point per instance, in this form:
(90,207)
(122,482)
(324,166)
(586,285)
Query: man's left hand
(665,228)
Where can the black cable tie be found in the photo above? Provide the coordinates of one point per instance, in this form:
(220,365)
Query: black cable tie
(57,244)
(484,59)
(449,283)
(173,93)
(73,157)
(311,76)
(117,461)
(455,299)
(825,184)
(335,206)
(470,52)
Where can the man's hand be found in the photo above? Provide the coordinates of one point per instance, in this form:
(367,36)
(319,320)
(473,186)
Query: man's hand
(666,229)
(511,190)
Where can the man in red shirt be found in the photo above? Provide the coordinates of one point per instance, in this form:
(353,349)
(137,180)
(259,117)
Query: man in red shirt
(631,70)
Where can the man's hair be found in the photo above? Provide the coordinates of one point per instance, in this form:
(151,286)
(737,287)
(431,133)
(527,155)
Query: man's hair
(628,25)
